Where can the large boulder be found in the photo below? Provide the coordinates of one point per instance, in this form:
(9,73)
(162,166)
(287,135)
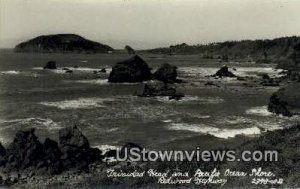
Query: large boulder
(286,101)
(166,73)
(134,69)
(224,72)
(25,150)
(75,148)
(50,65)
(157,88)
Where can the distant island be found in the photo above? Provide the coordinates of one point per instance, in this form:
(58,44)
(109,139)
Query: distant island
(62,43)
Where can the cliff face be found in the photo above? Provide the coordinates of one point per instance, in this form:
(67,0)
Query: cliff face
(62,43)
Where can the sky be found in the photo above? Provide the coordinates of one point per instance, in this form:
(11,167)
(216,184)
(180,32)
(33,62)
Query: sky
(146,24)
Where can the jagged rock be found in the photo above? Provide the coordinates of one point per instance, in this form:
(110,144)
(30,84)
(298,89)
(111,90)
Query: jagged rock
(25,150)
(134,69)
(286,101)
(129,49)
(50,65)
(75,148)
(166,73)
(71,136)
(224,72)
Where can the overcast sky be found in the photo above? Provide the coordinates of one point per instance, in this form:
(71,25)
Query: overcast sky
(149,23)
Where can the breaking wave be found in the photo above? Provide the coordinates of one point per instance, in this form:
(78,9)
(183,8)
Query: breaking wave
(260,111)
(217,132)
(32,122)
(10,72)
(81,103)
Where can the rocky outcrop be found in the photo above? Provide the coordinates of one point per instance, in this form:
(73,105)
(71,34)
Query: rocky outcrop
(132,70)
(50,65)
(286,101)
(157,88)
(26,152)
(2,155)
(129,49)
(278,106)
(268,81)
(166,73)
(224,72)
(75,148)
(62,43)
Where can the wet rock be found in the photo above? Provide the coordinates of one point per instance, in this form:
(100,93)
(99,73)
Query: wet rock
(69,71)
(265,76)
(157,89)
(166,73)
(278,106)
(75,148)
(210,83)
(293,75)
(224,72)
(110,153)
(270,82)
(286,101)
(25,150)
(134,69)
(2,150)
(241,78)
(176,96)
(51,150)
(50,65)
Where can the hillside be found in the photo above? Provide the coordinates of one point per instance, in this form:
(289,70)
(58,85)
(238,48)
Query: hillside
(62,43)
(274,50)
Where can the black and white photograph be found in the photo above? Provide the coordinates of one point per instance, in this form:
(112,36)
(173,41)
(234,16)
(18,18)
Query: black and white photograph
(149,94)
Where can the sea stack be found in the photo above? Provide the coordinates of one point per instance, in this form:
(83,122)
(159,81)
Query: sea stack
(131,70)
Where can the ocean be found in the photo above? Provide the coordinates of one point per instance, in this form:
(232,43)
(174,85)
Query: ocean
(112,114)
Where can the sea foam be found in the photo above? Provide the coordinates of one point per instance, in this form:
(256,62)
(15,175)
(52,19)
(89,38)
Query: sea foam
(217,132)
(81,103)
(260,111)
